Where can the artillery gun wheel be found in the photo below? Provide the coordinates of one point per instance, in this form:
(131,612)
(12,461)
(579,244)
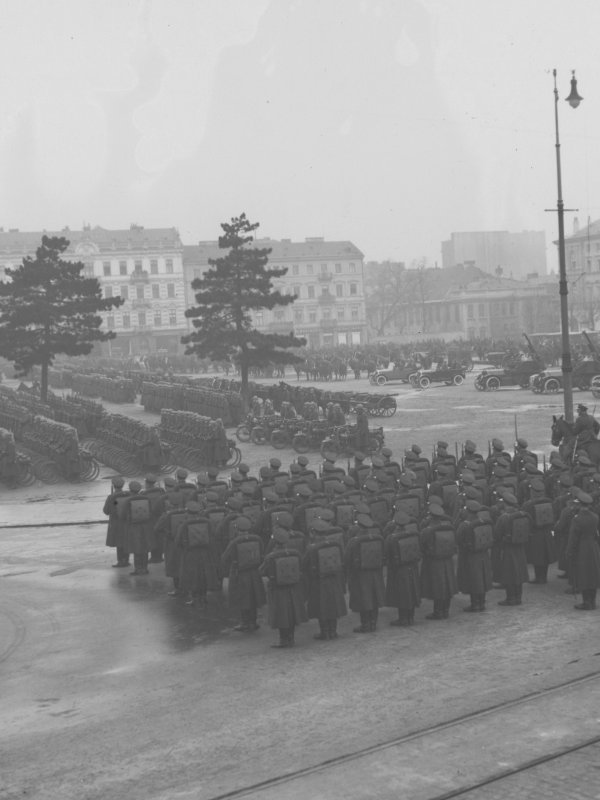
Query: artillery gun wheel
(280,439)
(243,433)
(388,406)
(259,435)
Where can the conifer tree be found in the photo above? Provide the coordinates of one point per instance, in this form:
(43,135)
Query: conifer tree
(49,307)
(234,286)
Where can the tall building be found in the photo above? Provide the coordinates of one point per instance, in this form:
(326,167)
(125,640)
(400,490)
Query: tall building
(516,254)
(326,278)
(142,265)
(582,262)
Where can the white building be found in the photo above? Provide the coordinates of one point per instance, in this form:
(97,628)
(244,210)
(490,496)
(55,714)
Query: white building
(326,277)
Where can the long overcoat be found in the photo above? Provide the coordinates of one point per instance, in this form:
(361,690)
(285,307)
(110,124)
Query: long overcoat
(474,570)
(438,578)
(541,549)
(324,594)
(583,551)
(116,532)
(366,587)
(285,603)
(513,560)
(246,588)
(402,588)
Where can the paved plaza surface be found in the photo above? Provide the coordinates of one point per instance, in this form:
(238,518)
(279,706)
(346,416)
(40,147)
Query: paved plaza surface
(111,689)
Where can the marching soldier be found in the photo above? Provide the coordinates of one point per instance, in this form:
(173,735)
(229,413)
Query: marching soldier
(583,553)
(116,532)
(285,592)
(438,579)
(323,566)
(241,560)
(512,532)
(192,538)
(474,539)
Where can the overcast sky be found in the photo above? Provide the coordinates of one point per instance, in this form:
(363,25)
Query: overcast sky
(391,123)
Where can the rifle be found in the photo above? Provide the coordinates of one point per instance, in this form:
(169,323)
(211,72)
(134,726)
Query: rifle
(532,351)
(516,433)
(591,346)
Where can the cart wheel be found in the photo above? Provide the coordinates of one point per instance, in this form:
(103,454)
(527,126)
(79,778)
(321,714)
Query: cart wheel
(279,439)
(388,406)
(301,443)
(243,433)
(328,447)
(258,435)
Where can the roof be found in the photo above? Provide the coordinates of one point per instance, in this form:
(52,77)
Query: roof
(281,250)
(591,230)
(134,238)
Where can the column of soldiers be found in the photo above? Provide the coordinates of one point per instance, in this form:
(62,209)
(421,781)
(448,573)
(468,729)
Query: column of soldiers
(389,533)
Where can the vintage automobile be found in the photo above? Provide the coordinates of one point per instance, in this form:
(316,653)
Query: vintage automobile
(551,379)
(401,372)
(442,374)
(517,373)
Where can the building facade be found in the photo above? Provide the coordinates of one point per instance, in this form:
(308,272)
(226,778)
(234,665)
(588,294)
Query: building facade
(582,263)
(143,266)
(516,254)
(326,278)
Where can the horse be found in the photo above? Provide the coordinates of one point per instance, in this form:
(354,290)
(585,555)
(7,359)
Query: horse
(564,438)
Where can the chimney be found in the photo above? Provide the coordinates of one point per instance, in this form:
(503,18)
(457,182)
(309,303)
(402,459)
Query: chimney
(575,225)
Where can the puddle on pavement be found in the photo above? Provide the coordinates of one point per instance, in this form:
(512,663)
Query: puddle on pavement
(186,626)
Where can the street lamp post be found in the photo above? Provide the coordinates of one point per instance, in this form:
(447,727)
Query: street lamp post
(567,368)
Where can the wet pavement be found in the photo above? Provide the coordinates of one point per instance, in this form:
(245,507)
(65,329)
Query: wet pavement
(112,689)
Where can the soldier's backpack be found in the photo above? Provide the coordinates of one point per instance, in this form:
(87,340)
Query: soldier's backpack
(421,470)
(248,554)
(329,559)
(175,520)
(519,528)
(482,536)
(157,499)
(344,515)
(543,514)
(252,511)
(311,514)
(215,518)
(198,533)
(121,505)
(407,548)
(370,553)
(287,569)
(139,509)
(297,541)
(379,510)
(409,504)
(444,542)
(449,492)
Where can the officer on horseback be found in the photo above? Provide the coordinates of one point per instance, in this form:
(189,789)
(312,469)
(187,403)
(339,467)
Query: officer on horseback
(586,426)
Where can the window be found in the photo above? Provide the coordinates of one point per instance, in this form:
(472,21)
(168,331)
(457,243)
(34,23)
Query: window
(338,268)
(457,313)
(326,313)
(309,269)
(106,267)
(481,310)
(153,266)
(352,266)
(354,313)
(110,322)
(155,291)
(324,291)
(296,291)
(298,316)
(169,263)
(312,316)
(108,291)
(353,288)
(511,309)
(340,313)
(588,264)
(157,319)
(339,290)
(139,292)
(126,321)
(470,314)
(137,265)
(279,314)
(259,318)
(88,269)
(170,290)
(122,268)
(141,318)
(125,292)
(324,269)
(295,269)
(311,292)
(172,318)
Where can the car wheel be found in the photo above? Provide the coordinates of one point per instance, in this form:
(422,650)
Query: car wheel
(552,386)
(381,380)
(479,385)
(492,384)
(424,382)
(458,380)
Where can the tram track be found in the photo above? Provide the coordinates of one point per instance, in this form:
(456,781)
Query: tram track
(420,736)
